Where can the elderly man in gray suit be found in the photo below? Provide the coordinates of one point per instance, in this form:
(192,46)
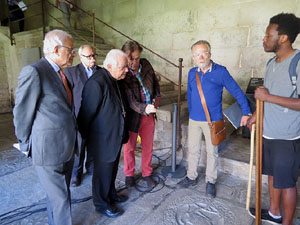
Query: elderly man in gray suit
(45,123)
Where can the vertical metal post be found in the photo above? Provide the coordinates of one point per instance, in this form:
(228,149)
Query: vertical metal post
(93,30)
(43,17)
(174,136)
(176,171)
(178,136)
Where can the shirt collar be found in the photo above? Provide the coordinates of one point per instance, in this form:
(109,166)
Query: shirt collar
(53,64)
(135,73)
(211,68)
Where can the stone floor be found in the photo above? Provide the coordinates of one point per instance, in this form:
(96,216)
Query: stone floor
(23,200)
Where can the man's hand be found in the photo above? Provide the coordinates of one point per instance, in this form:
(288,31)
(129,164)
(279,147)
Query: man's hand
(261,93)
(150,109)
(244,120)
(251,121)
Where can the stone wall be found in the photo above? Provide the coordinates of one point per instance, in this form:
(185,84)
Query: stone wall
(11,62)
(235,29)
(5,96)
(4,89)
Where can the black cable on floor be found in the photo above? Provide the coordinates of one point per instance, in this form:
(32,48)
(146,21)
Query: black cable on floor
(23,212)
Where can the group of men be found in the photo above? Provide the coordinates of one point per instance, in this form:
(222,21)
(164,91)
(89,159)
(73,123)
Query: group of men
(110,106)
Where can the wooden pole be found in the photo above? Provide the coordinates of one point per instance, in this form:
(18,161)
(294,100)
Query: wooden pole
(258,159)
(250,166)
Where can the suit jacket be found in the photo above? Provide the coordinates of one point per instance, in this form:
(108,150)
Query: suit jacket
(100,119)
(44,120)
(77,77)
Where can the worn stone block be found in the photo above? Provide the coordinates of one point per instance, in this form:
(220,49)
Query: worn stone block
(233,37)
(128,9)
(145,7)
(262,11)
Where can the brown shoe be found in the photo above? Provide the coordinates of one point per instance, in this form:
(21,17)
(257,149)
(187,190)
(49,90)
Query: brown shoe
(129,181)
(150,182)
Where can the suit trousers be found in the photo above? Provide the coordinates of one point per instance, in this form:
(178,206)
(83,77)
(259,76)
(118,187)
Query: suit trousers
(56,182)
(195,131)
(79,159)
(146,132)
(104,176)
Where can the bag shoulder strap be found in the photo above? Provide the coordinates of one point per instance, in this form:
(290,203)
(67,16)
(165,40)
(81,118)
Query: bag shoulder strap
(203,100)
(293,73)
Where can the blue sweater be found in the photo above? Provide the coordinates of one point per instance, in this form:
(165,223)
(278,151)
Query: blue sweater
(213,82)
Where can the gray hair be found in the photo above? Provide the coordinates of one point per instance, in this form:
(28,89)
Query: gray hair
(83,47)
(202,42)
(112,57)
(54,38)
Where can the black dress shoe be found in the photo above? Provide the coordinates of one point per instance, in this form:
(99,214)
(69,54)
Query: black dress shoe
(129,181)
(76,181)
(110,211)
(150,182)
(119,198)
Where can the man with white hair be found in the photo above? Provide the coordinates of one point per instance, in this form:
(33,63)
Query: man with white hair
(101,122)
(77,76)
(45,123)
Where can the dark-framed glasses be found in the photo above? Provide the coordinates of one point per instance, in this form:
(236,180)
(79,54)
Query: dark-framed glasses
(89,57)
(71,50)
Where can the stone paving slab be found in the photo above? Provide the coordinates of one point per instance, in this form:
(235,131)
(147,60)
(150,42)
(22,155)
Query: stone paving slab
(166,204)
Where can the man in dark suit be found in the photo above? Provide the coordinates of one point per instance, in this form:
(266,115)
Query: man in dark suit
(101,122)
(77,76)
(45,123)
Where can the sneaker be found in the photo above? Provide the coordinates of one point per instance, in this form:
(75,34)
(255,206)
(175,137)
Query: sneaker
(129,181)
(265,216)
(186,182)
(150,182)
(210,189)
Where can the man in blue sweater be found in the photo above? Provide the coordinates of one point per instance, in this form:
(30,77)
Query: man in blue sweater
(213,78)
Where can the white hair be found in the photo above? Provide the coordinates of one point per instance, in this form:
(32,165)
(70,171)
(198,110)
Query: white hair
(54,38)
(112,58)
(83,47)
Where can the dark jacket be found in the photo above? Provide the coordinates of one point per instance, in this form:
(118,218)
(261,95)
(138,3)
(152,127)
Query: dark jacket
(77,77)
(132,89)
(100,119)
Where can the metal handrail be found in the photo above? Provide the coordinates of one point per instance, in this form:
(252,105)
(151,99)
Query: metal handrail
(111,27)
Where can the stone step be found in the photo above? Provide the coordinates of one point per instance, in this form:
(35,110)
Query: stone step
(166,87)
(169,97)
(164,112)
(75,32)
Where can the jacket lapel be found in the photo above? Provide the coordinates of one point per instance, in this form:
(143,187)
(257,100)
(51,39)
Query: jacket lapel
(82,73)
(55,78)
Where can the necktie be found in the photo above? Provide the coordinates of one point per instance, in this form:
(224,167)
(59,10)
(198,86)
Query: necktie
(65,82)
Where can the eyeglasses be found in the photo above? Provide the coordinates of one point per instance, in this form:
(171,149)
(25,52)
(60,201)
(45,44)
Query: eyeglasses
(71,50)
(90,56)
(201,54)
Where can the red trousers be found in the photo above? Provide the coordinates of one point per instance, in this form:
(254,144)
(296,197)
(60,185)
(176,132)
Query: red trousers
(146,132)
